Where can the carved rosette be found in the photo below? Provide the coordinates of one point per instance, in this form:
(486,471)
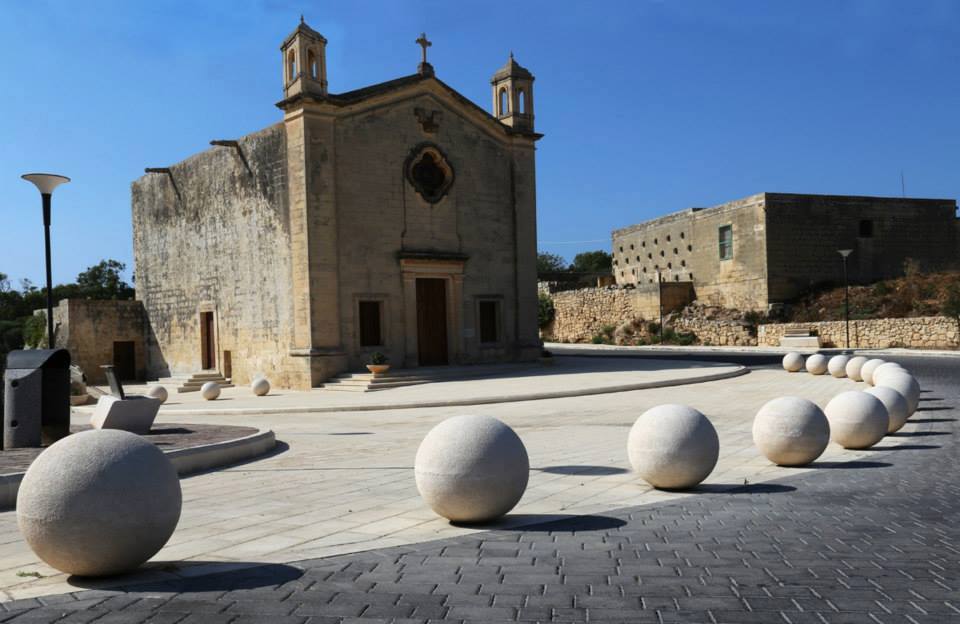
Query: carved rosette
(429,172)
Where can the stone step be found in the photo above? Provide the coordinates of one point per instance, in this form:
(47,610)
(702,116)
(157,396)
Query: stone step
(197,388)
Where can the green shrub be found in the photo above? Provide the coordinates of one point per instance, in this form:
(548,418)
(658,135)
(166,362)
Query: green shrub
(35,330)
(545,310)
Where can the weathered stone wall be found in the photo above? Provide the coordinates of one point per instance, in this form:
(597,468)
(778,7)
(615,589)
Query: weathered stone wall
(804,233)
(214,236)
(89,328)
(716,332)
(685,246)
(928,332)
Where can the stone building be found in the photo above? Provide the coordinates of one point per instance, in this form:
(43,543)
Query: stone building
(770,248)
(399,218)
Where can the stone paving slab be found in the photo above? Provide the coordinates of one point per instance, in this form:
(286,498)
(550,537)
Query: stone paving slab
(870,541)
(346,482)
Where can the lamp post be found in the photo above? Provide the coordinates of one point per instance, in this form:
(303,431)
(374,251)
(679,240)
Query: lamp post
(846,288)
(45,183)
(660,301)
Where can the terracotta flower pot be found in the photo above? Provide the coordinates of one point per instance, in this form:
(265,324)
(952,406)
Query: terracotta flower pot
(378,369)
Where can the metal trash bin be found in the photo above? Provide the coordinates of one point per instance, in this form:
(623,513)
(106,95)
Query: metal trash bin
(36,397)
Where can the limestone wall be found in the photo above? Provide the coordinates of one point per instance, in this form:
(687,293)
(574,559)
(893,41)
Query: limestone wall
(89,329)
(716,332)
(928,332)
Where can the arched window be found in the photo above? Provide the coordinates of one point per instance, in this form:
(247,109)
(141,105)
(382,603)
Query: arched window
(521,102)
(312,65)
(504,102)
(291,66)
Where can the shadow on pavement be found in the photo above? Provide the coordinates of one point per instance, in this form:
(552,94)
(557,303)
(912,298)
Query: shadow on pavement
(932,420)
(546,523)
(850,465)
(582,470)
(750,488)
(193,576)
(942,408)
(906,447)
(917,434)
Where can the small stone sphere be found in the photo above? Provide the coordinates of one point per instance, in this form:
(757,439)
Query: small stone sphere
(854,367)
(260,386)
(905,384)
(896,405)
(857,420)
(99,502)
(838,365)
(471,468)
(158,392)
(673,447)
(792,362)
(817,364)
(210,390)
(791,431)
(867,370)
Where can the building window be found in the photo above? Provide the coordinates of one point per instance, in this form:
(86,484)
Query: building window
(726,242)
(291,66)
(370,318)
(429,171)
(866,229)
(504,105)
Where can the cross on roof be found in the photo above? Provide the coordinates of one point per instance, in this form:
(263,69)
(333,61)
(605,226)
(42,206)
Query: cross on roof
(424,43)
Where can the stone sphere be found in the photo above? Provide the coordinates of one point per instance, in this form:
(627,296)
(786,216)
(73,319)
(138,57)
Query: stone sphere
(866,371)
(817,364)
(838,365)
(791,431)
(896,405)
(857,420)
(157,392)
(260,386)
(792,362)
(471,468)
(854,367)
(99,502)
(210,390)
(673,447)
(905,384)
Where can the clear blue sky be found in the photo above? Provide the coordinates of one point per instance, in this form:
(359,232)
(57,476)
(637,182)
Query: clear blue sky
(648,106)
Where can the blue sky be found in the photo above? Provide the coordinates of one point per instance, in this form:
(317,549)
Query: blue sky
(647,106)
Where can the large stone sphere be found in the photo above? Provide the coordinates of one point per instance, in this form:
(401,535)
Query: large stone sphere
(158,392)
(210,390)
(854,368)
(838,365)
(866,371)
(791,431)
(792,362)
(896,404)
(99,502)
(260,386)
(817,364)
(886,368)
(905,384)
(673,447)
(857,420)
(471,468)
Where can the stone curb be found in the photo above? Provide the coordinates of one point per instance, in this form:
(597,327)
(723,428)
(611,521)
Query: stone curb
(186,461)
(613,349)
(536,396)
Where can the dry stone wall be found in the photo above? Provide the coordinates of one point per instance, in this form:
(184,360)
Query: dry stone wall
(927,332)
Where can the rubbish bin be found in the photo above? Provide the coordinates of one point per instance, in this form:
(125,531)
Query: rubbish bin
(36,397)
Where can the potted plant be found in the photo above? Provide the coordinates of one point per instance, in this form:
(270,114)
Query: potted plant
(378,364)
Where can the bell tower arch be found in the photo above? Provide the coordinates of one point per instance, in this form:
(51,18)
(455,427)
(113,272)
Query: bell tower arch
(513,95)
(304,60)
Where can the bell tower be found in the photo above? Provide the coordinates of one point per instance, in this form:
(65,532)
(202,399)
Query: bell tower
(513,95)
(304,61)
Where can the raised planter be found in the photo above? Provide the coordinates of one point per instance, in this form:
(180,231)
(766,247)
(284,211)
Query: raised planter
(378,369)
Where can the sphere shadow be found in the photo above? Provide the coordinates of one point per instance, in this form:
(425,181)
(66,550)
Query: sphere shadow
(939,408)
(850,465)
(547,523)
(907,447)
(192,576)
(730,488)
(583,470)
(918,434)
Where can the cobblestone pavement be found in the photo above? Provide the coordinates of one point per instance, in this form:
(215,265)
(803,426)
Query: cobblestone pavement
(873,540)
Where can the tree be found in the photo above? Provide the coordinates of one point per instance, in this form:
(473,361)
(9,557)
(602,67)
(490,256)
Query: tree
(550,263)
(951,306)
(103,281)
(592,262)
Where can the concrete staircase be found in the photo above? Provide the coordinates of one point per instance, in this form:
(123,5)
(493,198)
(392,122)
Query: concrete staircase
(397,378)
(192,382)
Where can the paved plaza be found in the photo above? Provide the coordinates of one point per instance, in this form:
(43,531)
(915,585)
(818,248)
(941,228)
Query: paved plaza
(332,528)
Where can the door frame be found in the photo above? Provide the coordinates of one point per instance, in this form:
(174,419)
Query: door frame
(450,270)
(208,338)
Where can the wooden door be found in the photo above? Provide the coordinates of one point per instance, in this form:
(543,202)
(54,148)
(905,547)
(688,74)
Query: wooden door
(432,321)
(207,341)
(125,360)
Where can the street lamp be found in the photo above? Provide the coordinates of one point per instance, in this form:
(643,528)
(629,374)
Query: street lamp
(846,288)
(45,183)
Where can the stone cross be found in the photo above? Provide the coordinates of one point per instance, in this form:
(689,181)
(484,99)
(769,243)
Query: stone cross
(424,43)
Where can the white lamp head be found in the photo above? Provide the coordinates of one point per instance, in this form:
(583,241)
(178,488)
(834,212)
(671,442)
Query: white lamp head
(844,252)
(45,182)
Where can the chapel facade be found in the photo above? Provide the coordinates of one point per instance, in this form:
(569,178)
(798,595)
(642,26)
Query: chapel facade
(397,218)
